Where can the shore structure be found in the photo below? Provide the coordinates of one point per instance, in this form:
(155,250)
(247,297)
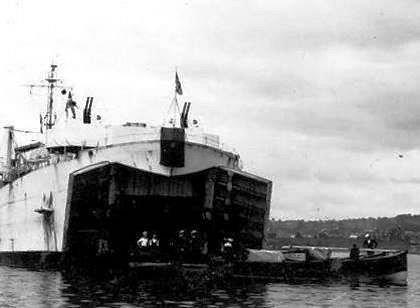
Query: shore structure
(83,186)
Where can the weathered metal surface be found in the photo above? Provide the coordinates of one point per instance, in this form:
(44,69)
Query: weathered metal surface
(21,229)
(238,204)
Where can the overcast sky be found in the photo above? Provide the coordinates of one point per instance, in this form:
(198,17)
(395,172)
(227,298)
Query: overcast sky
(322,97)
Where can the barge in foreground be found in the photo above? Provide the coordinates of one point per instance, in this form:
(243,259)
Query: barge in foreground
(81,188)
(290,264)
(300,264)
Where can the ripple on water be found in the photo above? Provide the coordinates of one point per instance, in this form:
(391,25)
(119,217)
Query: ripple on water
(25,288)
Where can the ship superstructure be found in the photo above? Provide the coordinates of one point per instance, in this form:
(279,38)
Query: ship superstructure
(84,182)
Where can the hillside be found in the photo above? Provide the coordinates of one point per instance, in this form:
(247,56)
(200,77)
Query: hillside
(399,232)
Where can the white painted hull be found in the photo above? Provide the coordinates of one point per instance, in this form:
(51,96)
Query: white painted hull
(22,229)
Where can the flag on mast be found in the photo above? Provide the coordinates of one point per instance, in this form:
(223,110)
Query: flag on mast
(178,88)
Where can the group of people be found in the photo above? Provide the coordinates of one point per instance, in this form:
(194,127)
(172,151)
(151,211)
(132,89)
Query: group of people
(369,243)
(189,246)
(184,245)
(146,242)
(192,246)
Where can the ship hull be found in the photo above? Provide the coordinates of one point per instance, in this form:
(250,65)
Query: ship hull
(94,208)
(33,259)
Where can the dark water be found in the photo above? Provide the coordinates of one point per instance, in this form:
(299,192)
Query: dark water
(24,288)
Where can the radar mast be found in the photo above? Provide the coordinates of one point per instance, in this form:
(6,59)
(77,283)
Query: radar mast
(52,83)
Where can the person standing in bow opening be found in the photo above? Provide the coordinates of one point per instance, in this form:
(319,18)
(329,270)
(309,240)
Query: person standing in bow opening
(181,246)
(227,249)
(154,241)
(195,246)
(154,244)
(143,242)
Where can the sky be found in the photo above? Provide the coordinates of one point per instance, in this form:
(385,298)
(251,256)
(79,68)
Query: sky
(321,97)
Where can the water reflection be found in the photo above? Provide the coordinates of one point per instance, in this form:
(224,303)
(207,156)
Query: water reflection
(152,293)
(25,288)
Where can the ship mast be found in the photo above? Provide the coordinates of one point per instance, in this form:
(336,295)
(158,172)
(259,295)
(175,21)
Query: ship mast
(52,83)
(174,112)
(52,80)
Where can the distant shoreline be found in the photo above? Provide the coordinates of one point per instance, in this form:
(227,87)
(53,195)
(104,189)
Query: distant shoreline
(401,232)
(277,243)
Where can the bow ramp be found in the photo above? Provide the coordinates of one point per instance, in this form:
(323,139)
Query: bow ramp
(113,203)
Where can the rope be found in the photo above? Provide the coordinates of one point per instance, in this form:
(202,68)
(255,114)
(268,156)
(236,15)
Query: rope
(25,131)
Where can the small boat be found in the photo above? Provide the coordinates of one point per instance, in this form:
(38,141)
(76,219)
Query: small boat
(382,266)
(301,262)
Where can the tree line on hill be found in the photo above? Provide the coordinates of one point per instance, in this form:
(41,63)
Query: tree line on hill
(402,228)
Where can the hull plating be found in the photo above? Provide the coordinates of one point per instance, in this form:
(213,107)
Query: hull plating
(24,227)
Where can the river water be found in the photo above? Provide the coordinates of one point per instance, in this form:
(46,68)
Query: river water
(25,288)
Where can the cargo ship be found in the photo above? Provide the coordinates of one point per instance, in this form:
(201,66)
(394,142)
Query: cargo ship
(81,184)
